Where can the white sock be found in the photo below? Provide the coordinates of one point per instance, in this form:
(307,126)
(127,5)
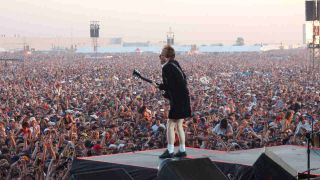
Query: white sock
(182,148)
(170,148)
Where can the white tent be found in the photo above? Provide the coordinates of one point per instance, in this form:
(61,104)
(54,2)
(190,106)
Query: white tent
(2,49)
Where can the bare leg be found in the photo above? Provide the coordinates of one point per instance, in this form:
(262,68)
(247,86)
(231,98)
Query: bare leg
(181,134)
(170,135)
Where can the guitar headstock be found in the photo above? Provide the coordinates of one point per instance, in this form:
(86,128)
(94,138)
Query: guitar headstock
(136,73)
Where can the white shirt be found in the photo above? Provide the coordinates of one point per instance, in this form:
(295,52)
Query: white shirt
(305,126)
(219,131)
(156,127)
(164,64)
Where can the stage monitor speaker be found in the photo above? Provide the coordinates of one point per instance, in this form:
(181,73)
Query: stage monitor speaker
(270,166)
(190,169)
(311,14)
(119,174)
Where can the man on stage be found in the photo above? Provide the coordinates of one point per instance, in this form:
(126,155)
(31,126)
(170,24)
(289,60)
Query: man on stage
(175,87)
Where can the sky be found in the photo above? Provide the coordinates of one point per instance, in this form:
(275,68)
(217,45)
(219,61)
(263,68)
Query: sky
(193,21)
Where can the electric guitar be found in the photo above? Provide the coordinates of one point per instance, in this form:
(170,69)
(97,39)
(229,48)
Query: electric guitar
(137,74)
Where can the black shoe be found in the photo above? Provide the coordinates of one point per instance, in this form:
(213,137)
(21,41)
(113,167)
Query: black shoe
(180,154)
(166,154)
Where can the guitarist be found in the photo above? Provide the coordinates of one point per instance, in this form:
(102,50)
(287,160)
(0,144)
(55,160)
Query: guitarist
(175,87)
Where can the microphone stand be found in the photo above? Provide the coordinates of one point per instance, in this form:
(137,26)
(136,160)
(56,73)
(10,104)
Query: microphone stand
(309,140)
(308,154)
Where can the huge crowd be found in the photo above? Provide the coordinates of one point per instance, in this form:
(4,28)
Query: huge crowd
(54,108)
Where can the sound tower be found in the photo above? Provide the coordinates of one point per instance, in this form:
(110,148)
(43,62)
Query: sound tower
(94,29)
(312,12)
(94,34)
(170,37)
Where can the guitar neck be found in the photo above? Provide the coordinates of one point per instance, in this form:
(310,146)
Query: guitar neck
(146,79)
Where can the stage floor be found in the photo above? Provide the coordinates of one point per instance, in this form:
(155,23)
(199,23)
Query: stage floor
(295,156)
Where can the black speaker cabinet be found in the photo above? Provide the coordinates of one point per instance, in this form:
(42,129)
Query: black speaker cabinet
(270,166)
(119,174)
(311,10)
(190,169)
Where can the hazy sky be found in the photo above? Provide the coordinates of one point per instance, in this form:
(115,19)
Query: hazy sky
(199,21)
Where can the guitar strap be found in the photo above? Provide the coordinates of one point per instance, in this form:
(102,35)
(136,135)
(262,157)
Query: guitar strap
(179,70)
